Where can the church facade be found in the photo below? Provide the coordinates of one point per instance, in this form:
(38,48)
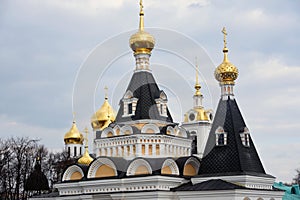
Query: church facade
(140,152)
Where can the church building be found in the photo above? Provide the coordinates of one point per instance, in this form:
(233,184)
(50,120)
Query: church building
(141,153)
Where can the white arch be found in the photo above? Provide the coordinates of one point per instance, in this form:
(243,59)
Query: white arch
(126,129)
(170,130)
(137,163)
(97,164)
(181,132)
(176,130)
(194,162)
(106,131)
(148,127)
(116,129)
(163,96)
(173,166)
(70,170)
(128,95)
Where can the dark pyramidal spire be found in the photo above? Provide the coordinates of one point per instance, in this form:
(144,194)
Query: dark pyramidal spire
(143,99)
(37,180)
(229,149)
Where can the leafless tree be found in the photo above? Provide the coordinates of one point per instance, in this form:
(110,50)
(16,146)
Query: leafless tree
(18,157)
(296,180)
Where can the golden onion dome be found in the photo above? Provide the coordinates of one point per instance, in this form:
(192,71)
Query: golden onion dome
(86,159)
(226,72)
(104,116)
(73,136)
(142,42)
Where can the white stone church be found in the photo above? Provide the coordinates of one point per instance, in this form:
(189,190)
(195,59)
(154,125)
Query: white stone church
(141,153)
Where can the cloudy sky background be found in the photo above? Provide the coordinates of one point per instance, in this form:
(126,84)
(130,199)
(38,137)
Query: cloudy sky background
(45,47)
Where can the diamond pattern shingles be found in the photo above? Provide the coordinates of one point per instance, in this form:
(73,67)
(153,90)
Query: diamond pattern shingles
(233,157)
(145,89)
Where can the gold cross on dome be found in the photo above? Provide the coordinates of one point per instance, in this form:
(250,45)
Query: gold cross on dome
(225,34)
(106,91)
(73,116)
(141,6)
(197,70)
(86,130)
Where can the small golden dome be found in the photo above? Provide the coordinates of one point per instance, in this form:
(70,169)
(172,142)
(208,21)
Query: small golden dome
(142,42)
(226,72)
(73,136)
(86,159)
(104,116)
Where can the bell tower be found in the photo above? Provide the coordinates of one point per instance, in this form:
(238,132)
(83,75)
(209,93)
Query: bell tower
(198,120)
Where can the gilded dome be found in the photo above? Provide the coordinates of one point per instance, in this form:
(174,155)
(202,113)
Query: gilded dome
(86,159)
(141,41)
(226,72)
(73,136)
(103,117)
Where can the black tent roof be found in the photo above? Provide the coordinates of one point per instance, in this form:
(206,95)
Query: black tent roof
(37,181)
(145,89)
(233,158)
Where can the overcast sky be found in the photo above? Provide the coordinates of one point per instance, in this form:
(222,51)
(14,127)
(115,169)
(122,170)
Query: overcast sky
(46,46)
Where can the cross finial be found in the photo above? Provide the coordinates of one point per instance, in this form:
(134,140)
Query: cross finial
(106,91)
(225,34)
(73,117)
(86,130)
(197,70)
(197,85)
(141,25)
(141,7)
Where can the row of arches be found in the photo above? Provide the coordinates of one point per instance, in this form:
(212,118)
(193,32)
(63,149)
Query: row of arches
(176,131)
(105,167)
(145,129)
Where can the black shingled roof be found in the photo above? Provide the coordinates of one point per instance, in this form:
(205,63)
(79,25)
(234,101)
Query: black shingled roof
(145,89)
(233,158)
(213,184)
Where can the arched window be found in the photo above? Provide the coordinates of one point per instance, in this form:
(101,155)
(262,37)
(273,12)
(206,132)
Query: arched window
(191,167)
(170,130)
(245,137)
(138,167)
(129,102)
(221,137)
(73,172)
(150,128)
(161,103)
(170,167)
(126,130)
(102,167)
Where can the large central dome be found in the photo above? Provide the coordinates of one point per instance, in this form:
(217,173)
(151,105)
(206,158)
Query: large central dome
(141,41)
